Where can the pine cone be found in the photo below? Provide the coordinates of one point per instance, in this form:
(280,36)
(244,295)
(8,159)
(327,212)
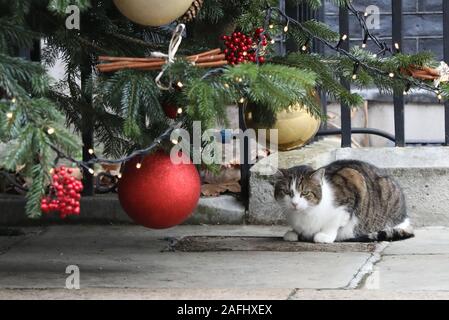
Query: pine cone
(192,12)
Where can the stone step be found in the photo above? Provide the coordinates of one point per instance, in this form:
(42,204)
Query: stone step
(102,209)
(423,173)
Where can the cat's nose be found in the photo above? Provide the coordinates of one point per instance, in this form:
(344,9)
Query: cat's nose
(295,205)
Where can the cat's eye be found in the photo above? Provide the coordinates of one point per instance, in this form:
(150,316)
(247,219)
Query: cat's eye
(305,193)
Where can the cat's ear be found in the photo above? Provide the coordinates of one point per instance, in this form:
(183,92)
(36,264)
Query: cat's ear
(318,175)
(280,173)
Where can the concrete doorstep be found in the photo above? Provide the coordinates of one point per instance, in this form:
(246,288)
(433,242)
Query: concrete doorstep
(131,262)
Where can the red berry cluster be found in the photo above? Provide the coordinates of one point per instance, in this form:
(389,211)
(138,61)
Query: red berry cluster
(242,48)
(65,194)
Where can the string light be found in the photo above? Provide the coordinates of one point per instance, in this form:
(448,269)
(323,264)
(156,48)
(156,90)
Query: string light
(304,48)
(286,27)
(391,75)
(119,176)
(50,131)
(14,100)
(342,38)
(407,89)
(397,47)
(180,84)
(365,40)
(180,111)
(91,171)
(9,115)
(242,100)
(226,86)
(354,71)
(271,26)
(273,41)
(91,151)
(138,165)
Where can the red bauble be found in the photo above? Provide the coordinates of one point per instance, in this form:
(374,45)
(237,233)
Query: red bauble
(170,110)
(160,194)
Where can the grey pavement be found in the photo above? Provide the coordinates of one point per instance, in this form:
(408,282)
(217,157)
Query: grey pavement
(131,262)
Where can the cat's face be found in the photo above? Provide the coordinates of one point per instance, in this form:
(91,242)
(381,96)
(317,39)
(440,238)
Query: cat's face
(299,189)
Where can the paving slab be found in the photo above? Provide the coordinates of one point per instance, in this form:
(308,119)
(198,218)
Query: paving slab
(430,240)
(410,273)
(146,294)
(367,295)
(131,257)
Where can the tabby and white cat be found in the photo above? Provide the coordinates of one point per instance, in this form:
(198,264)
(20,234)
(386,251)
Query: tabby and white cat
(347,200)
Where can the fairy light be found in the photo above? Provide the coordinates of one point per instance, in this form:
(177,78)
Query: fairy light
(180,111)
(51,131)
(9,115)
(391,75)
(273,41)
(91,151)
(271,26)
(286,27)
(342,38)
(354,71)
(119,176)
(180,84)
(365,40)
(245,53)
(139,165)
(242,100)
(226,86)
(14,100)
(304,48)
(91,171)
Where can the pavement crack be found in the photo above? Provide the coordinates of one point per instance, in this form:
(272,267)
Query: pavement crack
(292,294)
(367,267)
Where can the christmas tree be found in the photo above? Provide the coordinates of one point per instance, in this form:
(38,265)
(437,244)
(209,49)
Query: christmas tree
(123,109)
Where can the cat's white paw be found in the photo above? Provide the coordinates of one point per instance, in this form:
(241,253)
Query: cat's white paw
(323,238)
(291,236)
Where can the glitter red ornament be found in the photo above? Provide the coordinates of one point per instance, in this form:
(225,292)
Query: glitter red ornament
(160,194)
(65,194)
(241,48)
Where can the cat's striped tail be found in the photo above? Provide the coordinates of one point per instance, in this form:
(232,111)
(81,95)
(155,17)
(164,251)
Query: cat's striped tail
(400,232)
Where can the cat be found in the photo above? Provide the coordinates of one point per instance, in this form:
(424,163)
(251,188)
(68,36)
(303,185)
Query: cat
(347,200)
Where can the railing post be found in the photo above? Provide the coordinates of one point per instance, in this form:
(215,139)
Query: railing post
(344,109)
(446,58)
(398,98)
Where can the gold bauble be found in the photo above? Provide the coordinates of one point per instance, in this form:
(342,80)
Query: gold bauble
(295,126)
(153,13)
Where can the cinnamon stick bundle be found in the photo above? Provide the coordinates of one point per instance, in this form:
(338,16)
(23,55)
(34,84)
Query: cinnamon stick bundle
(208,59)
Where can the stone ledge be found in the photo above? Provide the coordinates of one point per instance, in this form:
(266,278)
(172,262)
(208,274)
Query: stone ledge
(106,209)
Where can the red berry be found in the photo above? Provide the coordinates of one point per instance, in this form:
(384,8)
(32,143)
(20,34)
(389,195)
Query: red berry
(45,208)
